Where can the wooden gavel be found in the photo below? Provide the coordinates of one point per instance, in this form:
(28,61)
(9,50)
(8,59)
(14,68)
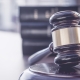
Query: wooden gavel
(66,40)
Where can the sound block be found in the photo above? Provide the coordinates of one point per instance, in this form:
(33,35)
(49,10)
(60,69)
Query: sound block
(51,71)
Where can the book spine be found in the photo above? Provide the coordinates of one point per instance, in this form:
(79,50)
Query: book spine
(36,42)
(36,33)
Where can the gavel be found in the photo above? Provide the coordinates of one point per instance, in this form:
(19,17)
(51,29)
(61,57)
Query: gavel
(65,40)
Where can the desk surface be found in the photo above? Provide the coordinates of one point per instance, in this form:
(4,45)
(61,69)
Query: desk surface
(12,62)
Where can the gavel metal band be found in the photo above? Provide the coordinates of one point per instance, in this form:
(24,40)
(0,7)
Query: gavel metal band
(65,36)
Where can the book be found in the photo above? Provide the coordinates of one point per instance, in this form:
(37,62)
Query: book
(30,46)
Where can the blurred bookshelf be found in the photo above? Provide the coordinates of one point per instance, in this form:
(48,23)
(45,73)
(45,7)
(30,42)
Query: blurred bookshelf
(31,19)
(34,18)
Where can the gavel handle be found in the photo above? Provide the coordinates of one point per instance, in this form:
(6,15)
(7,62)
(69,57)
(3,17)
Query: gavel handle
(36,57)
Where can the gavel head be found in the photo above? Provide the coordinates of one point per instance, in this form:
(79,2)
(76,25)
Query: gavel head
(66,38)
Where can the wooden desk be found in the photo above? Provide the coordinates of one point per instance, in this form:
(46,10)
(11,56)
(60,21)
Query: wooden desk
(12,62)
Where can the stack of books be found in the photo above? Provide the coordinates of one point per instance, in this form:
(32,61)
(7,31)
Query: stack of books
(35,29)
